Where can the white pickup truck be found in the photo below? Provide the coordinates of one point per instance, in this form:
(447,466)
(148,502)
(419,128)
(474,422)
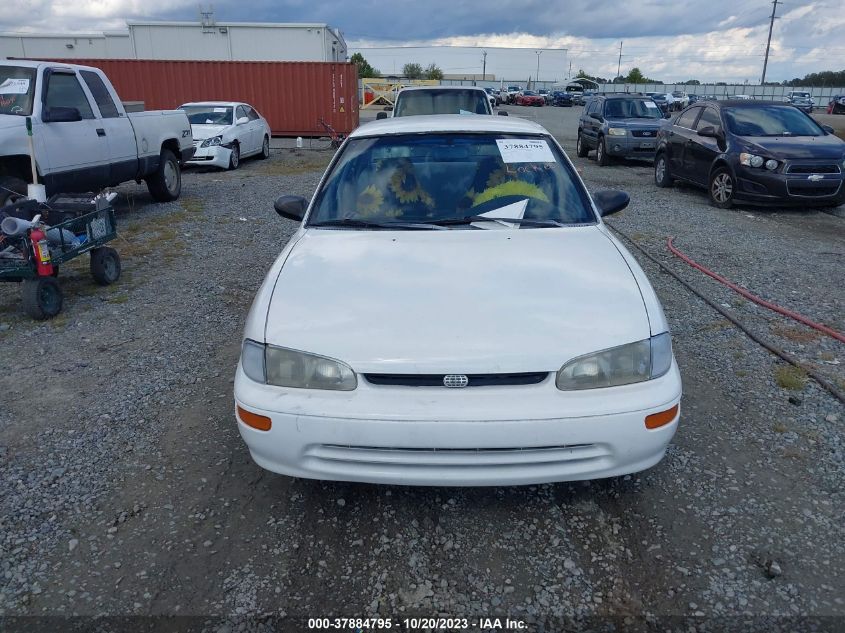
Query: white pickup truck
(84,140)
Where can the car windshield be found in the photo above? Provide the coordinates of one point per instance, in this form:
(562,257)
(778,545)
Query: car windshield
(209,114)
(449,178)
(528,93)
(771,121)
(631,109)
(434,101)
(17,85)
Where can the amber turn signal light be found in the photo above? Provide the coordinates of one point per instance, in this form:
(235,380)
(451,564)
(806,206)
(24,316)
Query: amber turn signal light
(260,422)
(656,420)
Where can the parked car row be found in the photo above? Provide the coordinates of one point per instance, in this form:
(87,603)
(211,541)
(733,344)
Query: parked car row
(740,150)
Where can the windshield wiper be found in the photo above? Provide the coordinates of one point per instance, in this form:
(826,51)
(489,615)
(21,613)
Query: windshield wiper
(470,219)
(356,223)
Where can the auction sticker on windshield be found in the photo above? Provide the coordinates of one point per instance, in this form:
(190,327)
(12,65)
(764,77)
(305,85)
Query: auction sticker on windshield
(650,104)
(14,87)
(528,150)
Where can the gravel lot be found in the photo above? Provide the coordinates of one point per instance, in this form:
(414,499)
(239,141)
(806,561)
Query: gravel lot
(127,490)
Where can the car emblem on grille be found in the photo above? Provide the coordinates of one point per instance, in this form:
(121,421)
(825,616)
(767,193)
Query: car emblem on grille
(455,380)
(815,177)
(646,133)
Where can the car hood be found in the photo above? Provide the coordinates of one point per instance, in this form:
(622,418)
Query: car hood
(462,301)
(202,132)
(786,147)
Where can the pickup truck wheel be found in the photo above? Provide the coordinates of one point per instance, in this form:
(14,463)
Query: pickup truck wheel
(265,148)
(11,190)
(235,157)
(105,265)
(42,297)
(166,184)
(581,149)
(601,153)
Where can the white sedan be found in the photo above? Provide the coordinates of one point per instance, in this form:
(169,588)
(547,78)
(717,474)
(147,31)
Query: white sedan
(225,132)
(453,311)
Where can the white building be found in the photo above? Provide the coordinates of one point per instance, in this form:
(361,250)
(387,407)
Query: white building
(235,41)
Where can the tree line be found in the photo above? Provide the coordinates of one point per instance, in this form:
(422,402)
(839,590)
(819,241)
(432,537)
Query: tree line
(635,76)
(410,70)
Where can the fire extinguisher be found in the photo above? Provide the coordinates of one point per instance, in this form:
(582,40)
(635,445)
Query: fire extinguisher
(41,251)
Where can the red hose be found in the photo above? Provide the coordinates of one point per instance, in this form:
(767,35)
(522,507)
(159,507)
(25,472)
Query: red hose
(751,297)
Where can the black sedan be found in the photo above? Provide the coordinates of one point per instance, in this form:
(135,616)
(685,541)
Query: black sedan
(754,152)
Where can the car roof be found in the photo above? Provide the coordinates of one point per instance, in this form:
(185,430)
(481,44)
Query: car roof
(29,63)
(229,104)
(448,123)
(750,103)
(415,88)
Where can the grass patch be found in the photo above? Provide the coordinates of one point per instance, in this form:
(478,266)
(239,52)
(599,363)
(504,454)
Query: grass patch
(741,373)
(715,326)
(779,427)
(795,334)
(791,378)
(118,299)
(193,205)
(296,164)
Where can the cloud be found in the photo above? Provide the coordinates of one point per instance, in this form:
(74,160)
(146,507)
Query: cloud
(667,39)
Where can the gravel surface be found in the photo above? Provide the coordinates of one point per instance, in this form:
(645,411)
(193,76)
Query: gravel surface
(127,490)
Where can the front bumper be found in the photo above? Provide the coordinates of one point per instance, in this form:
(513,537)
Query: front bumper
(630,146)
(479,436)
(216,156)
(760,186)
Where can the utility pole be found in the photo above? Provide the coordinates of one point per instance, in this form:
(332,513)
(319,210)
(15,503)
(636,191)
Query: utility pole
(484,67)
(570,69)
(619,63)
(537,76)
(769,41)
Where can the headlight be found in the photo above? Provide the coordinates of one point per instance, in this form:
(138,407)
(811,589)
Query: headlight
(623,365)
(289,368)
(211,142)
(617,131)
(771,164)
(751,160)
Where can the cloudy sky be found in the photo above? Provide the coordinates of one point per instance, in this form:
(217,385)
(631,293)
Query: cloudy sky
(671,40)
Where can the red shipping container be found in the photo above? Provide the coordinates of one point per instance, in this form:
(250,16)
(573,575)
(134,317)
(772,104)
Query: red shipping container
(292,96)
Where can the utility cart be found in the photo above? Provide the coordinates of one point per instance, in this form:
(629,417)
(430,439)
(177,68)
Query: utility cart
(36,238)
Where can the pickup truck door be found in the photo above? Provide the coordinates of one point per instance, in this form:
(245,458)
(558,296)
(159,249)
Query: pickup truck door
(77,155)
(681,131)
(117,128)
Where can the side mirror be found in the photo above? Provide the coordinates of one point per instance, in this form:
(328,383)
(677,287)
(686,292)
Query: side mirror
(381,115)
(828,129)
(502,113)
(596,116)
(610,201)
(291,207)
(242,121)
(60,114)
(708,131)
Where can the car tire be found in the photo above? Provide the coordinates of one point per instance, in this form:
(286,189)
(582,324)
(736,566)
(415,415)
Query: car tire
(235,157)
(42,297)
(581,149)
(105,265)
(265,148)
(662,177)
(11,190)
(165,184)
(601,153)
(721,188)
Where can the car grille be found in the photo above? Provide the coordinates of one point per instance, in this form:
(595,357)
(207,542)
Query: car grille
(813,169)
(810,190)
(474,380)
(644,133)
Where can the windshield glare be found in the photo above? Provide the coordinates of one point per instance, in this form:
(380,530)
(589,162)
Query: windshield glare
(771,121)
(209,115)
(421,102)
(449,176)
(631,109)
(17,85)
